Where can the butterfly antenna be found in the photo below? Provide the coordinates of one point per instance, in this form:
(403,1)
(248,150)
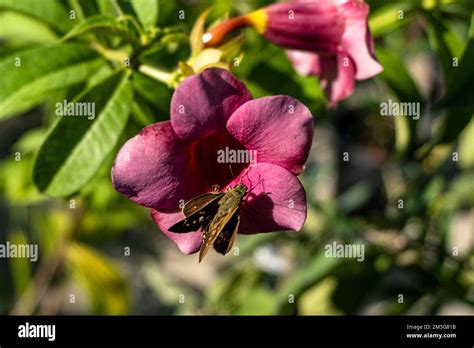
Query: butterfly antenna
(231,171)
(245,173)
(258,182)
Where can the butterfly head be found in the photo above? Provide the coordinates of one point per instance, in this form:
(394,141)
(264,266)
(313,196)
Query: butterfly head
(241,188)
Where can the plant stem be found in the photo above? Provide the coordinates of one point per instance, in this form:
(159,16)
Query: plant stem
(109,54)
(156,74)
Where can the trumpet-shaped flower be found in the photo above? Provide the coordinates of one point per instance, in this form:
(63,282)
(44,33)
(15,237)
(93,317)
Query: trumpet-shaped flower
(212,114)
(330,39)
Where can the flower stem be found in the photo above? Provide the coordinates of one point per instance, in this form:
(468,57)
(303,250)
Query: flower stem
(215,35)
(156,74)
(109,54)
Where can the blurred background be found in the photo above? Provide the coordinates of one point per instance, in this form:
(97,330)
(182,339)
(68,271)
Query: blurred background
(403,187)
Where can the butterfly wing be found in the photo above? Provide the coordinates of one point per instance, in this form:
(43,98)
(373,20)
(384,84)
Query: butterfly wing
(215,228)
(200,202)
(226,238)
(199,213)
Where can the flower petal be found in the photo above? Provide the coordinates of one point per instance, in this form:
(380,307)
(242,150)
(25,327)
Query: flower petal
(188,243)
(278,128)
(150,168)
(305,63)
(306,25)
(337,77)
(357,40)
(202,103)
(276,200)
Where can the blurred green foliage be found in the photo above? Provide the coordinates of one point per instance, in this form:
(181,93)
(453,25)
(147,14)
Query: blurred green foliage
(406,192)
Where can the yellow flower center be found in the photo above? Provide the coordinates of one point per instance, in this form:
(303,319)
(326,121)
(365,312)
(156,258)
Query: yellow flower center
(258,19)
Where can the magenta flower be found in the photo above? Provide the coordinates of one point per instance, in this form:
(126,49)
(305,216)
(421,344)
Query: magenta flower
(330,39)
(168,163)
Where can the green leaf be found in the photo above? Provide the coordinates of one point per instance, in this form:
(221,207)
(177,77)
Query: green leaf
(458,98)
(155,93)
(49,11)
(397,77)
(77,145)
(141,112)
(95,23)
(106,8)
(147,12)
(76,7)
(20,29)
(400,82)
(195,38)
(106,288)
(122,8)
(452,125)
(84,8)
(460,89)
(445,42)
(29,75)
(389,17)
